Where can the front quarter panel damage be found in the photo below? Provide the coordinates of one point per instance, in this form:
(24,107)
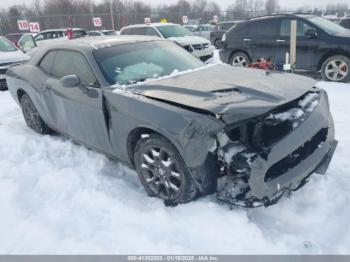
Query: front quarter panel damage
(258,170)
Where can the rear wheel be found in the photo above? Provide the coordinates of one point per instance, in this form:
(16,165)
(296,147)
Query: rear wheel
(32,117)
(162,171)
(240,59)
(336,69)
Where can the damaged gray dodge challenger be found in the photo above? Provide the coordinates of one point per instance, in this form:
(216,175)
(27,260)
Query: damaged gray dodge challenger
(189,129)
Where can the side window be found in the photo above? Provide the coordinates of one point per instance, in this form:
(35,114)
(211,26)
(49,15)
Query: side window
(39,37)
(137,31)
(73,63)
(301,28)
(263,27)
(47,62)
(151,31)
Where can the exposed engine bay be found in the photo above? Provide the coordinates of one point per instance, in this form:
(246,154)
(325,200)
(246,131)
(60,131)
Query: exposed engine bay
(247,155)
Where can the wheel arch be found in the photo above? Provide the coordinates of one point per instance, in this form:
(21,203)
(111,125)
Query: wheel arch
(330,54)
(20,92)
(135,135)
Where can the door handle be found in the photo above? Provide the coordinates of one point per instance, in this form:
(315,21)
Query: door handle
(247,39)
(280,41)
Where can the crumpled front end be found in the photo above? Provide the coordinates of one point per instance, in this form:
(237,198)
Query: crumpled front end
(265,157)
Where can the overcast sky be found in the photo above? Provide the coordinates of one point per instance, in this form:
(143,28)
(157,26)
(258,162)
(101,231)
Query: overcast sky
(289,4)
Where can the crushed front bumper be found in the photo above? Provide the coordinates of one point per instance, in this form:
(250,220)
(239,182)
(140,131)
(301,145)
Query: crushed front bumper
(263,178)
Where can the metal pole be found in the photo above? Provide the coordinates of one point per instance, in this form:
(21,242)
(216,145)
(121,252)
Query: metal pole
(293,43)
(112,17)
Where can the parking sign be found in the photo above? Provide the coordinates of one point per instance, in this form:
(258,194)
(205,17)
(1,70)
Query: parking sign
(185,19)
(97,21)
(147,20)
(216,19)
(23,25)
(34,27)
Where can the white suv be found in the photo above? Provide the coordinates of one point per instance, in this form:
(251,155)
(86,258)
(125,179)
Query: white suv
(198,46)
(9,54)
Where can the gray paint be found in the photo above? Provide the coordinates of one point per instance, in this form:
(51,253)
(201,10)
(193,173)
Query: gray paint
(189,110)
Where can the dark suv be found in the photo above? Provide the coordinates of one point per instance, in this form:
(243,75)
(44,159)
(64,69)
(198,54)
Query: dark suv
(321,44)
(219,30)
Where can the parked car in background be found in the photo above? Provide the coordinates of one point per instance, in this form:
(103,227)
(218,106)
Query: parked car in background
(218,32)
(321,44)
(198,46)
(190,28)
(345,22)
(189,129)
(14,37)
(204,30)
(9,55)
(51,35)
(101,33)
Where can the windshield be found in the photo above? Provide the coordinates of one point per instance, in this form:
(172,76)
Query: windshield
(173,31)
(226,26)
(328,26)
(6,46)
(131,63)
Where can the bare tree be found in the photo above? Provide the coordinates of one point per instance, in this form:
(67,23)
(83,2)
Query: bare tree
(271,6)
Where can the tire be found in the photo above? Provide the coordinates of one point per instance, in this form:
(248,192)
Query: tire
(162,171)
(32,117)
(336,68)
(217,43)
(240,59)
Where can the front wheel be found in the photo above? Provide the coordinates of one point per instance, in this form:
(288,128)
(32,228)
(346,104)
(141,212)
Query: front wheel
(162,171)
(336,69)
(240,59)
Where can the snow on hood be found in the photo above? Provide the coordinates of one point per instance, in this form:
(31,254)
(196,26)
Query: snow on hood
(13,57)
(189,40)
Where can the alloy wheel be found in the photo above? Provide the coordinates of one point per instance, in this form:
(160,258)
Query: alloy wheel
(239,61)
(336,70)
(161,172)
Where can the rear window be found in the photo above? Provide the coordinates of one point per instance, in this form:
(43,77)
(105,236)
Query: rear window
(134,31)
(263,27)
(47,62)
(225,26)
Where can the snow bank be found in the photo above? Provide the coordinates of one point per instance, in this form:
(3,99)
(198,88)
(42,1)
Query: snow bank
(58,197)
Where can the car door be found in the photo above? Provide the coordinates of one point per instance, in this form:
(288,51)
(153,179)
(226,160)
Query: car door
(306,46)
(262,38)
(77,111)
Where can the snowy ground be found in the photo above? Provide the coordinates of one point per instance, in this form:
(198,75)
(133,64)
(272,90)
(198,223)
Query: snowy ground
(57,197)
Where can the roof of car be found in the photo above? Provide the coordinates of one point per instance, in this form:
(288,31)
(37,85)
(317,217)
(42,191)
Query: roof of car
(152,24)
(101,41)
(304,15)
(59,30)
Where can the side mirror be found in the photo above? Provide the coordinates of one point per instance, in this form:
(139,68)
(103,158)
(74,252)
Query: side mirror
(70,81)
(311,33)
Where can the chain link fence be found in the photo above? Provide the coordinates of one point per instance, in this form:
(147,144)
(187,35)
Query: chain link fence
(8,24)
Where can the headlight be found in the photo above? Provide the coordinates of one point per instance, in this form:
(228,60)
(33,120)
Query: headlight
(223,39)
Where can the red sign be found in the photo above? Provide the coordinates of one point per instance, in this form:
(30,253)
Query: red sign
(97,21)
(23,25)
(34,27)
(147,20)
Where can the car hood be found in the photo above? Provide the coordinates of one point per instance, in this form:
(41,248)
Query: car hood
(189,40)
(231,94)
(13,57)
(345,34)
